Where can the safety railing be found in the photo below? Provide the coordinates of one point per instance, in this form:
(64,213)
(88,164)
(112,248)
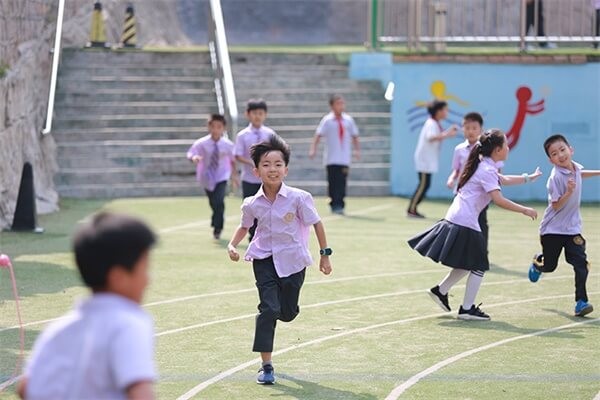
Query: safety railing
(219,54)
(523,22)
(55,58)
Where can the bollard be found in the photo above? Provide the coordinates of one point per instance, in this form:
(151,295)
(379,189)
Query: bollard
(129,36)
(25,212)
(97,32)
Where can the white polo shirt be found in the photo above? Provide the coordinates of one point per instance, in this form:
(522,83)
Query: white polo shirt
(427,153)
(337,152)
(99,349)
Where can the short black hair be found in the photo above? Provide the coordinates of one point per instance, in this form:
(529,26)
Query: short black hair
(256,104)
(474,116)
(335,97)
(553,139)
(106,241)
(275,143)
(435,106)
(217,117)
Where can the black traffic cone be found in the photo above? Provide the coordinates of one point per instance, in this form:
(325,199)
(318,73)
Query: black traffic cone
(25,213)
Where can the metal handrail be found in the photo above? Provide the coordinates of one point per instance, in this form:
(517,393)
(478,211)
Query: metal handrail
(219,54)
(55,59)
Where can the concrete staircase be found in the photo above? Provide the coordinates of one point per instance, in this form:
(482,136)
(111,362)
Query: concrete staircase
(297,89)
(123,120)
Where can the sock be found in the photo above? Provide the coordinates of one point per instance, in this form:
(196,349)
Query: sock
(451,279)
(473,283)
(267,363)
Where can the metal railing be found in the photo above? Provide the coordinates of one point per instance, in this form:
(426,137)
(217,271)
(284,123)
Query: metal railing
(55,58)
(440,22)
(219,55)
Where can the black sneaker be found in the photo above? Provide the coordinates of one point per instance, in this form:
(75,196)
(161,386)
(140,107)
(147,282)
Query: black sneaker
(217,234)
(473,314)
(414,214)
(266,375)
(439,298)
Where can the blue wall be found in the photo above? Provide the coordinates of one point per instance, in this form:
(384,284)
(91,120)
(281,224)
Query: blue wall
(571,105)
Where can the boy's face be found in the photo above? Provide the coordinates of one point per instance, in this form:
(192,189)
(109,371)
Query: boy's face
(442,114)
(472,130)
(560,154)
(216,129)
(131,284)
(256,117)
(271,169)
(338,106)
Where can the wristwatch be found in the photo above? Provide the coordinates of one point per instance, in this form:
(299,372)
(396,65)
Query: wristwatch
(326,251)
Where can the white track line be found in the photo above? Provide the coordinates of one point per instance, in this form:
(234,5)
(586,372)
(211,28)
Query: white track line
(197,389)
(394,394)
(239,291)
(597,397)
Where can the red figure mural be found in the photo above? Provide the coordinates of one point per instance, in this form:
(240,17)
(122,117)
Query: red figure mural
(523,95)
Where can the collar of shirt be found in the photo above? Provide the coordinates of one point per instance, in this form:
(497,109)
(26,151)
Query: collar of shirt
(108,299)
(252,129)
(567,171)
(284,190)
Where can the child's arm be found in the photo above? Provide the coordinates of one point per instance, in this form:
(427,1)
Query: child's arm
(448,133)
(588,173)
(507,204)
(324,263)
(22,387)
(235,176)
(452,178)
(560,203)
(313,146)
(244,160)
(508,180)
(140,391)
(238,235)
(356,145)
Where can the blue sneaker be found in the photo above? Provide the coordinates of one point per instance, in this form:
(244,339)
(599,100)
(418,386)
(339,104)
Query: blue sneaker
(583,308)
(534,272)
(266,375)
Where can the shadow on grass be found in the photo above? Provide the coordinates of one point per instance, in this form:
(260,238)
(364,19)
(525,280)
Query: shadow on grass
(506,327)
(570,316)
(497,269)
(309,389)
(34,278)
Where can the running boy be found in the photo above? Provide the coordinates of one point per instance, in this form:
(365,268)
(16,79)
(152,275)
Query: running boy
(215,164)
(279,251)
(457,241)
(341,134)
(255,132)
(561,225)
(427,153)
(104,348)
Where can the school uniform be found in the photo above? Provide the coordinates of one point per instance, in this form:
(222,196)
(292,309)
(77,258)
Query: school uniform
(244,140)
(457,240)
(427,154)
(459,160)
(561,229)
(96,351)
(279,254)
(338,133)
(213,172)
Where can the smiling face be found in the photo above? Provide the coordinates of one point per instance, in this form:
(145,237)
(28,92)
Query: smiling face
(560,154)
(271,169)
(216,129)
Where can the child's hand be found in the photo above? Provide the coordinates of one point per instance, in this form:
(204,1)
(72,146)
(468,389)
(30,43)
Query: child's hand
(357,155)
(325,265)
(235,182)
(196,159)
(530,212)
(311,153)
(233,253)
(536,174)
(450,183)
(570,185)
(451,132)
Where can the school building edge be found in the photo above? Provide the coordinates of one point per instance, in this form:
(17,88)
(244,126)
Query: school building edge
(529,101)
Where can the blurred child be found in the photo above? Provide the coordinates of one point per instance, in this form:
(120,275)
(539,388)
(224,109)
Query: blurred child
(561,225)
(279,251)
(457,241)
(341,133)
(427,153)
(104,348)
(215,164)
(255,132)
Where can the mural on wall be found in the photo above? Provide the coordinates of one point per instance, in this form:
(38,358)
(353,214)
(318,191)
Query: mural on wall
(417,115)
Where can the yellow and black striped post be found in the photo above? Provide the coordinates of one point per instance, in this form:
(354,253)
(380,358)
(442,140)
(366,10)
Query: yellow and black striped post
(97,33)
(129,36)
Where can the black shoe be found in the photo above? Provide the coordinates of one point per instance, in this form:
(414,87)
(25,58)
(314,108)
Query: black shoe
(266,375)
(439,298)
(414,214)
(217,234)
(474,314)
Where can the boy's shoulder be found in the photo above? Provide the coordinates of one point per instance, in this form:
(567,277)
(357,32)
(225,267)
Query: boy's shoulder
(297,192)
(461,146)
